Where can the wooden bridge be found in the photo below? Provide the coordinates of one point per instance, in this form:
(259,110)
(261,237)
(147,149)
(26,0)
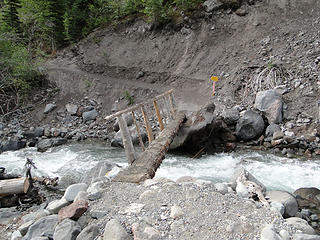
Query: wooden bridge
(168,121)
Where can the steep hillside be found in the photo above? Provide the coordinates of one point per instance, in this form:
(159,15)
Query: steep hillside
(282,36)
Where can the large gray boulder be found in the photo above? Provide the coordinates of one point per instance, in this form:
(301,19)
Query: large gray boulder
(300,224)
(44,144)
(271,129)
(67,230)
(128,119)
(73,190)
(12,145)
(89,115)
(230,116)
(271,104)
(89,233)
(43,227)
(249,126)
(115,231)
(307,197)
(287,199)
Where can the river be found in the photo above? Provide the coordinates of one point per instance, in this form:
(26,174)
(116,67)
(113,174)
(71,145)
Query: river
(73,160)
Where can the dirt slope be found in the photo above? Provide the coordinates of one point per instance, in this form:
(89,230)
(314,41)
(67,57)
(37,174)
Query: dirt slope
(283,35)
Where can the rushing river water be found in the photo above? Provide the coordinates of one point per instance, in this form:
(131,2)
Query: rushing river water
(71,161)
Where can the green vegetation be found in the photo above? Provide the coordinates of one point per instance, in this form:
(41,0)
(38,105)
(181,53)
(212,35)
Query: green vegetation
(33,29)
(128,97)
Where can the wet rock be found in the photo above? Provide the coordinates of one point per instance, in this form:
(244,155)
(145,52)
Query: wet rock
(12,145)
(89,233)
(249,126)
(44,144)
(301,224)
(67,230)
(43,227)
(287,199)
(114,231)
(271,104)
(73,190)
(73,211)
(89,115)
(49,107)
(72,109)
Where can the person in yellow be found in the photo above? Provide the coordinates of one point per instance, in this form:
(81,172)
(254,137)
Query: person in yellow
(214,80)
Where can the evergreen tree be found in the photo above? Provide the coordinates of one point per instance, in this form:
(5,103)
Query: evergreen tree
(57,9)
(10,15)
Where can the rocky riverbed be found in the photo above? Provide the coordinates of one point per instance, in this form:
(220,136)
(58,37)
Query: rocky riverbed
(163,209)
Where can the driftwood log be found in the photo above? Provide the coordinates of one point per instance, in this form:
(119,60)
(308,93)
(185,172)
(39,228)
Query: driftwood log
(149,161)
(14,186)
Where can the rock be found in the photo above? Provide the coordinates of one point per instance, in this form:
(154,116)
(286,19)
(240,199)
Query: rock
(284,234)
(249,126)
(23,229)
(212,5)
(277,135)
(221,187)
(43,227)
(12,145)
(89,116)
(54,206)
(72,109)
(300,224)
(271,129)
(230,116)
(73,190)
(307,196)
(301,236)
(117,139)
(49,107)
(243,173)
(89,233)
(269,233)
(176,212)
(114,231)
(133,208)
(7,215)
(271,104)
(16,235)
(127,117)
(287,199)
(67,230)
(82,195)
(242,190)
(195,129)
(143,231)
(278,207)
(44,144)
(39,132)
(73,211)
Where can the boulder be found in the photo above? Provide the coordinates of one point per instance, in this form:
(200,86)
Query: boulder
(89,115)
(221,187)
(12,145)
(54,206)
(67,230)
(287,199)
(49,107)
(73,211)
(300,224)
(212,5)
(117,139)
(143,231)
(230,116)
(244,174)
(307,197)
(127,117)
(271,129)
(73,190)
(72,109)
(114,231)
(89,233)
(197,127)
(271,104)
(249,126)
(39,132)
(44,144)
(43,227)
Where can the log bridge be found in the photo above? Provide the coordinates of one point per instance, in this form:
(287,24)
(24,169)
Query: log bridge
(168,124)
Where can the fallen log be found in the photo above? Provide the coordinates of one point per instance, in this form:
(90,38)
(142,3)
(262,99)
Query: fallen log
(14,186)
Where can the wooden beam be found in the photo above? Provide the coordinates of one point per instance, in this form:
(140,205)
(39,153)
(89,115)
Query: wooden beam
(126,139)
(147,124)
(169,112)
(138,130)
(14,186)
(156,107)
